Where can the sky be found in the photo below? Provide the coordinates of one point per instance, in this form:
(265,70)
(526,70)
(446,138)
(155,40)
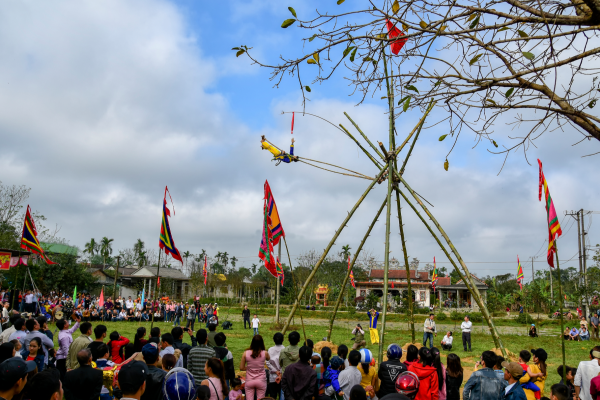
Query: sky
(102,105)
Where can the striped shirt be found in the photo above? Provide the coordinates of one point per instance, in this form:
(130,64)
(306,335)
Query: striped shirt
(197,360)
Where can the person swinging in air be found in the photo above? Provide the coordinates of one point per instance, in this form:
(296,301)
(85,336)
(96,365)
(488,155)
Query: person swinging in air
(279,155)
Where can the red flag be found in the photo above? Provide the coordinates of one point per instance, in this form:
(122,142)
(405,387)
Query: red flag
(394,32)
(292,123)
(554,230)
(158,282)
(101,299)
(392,285)
(204,270)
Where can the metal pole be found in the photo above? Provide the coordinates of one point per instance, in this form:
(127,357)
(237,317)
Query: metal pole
(584,259)
(278,285)
(156,289)
(116,275)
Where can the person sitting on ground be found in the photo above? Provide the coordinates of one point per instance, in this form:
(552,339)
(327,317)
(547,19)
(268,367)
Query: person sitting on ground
(566,333)
(299,379)
(447,341)
(512,374)
(484,383)
(85,382)
(132,379)
(533,331)
(359,337)
(574,334)
(389,370)
(584,334)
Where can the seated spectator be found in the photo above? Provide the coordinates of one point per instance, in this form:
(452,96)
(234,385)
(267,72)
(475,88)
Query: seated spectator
(447,341)
(533,331)
(584,334)
(574,334)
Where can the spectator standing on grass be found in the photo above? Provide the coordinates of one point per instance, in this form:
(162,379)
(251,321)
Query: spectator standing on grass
(13,377)
(484,383)
(512,374)
(115,346)
(454,377)
(65,338)
(139,342)
(185,348)
(274,386)
(350,376)
(569,381)
(45,386)
(290,354)
(586,371)
(4,337)
(34,353)
(465,327)
(389,370)
(246,316)
(155,376)
(212,331)
(82,342)
(101,363)
(33,326)
(299,379)
(215,370)
(429,330)
(166,345)
(225,356)
(132,380)
(537,372)
(20,331)
(441,371)
(84,383)
(594,322)
(199,355)
(253,362)
(255,324)
(100,335)
(427,374)
(191,317)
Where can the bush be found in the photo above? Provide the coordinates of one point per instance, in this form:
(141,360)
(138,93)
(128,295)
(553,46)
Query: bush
(499,314)
(441,316)
(475,317)
(524,319)
(456,316)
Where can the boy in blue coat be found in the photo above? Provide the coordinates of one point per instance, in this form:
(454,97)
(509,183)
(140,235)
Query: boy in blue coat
(332,385)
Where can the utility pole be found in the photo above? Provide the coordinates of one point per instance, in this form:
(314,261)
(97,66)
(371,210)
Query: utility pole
(532,273)
(584,261)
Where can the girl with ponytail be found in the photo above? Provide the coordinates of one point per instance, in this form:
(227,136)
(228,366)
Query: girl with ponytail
(139,342)
(215,370)
(427,374)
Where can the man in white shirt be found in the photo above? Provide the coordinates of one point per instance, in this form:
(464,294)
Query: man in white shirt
(465,327)
(350,376)
(447,341)
(166,345)
(123,315)
(586,371)
(28,301)
(129,303)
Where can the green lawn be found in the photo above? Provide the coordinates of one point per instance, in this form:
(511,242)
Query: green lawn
(238,340)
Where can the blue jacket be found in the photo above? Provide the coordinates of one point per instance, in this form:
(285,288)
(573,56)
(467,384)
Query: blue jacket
(484,385)
(515,393)
(332,375)
(39,359)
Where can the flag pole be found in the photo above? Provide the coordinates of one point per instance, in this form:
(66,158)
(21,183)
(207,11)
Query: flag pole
(278,286)
(562,332)
(156,289)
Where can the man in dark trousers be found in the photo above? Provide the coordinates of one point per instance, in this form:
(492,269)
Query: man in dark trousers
(155,376)
(299,379)
(85,382)
(246,316)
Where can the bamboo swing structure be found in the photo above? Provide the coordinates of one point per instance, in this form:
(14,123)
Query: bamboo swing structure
(386,162)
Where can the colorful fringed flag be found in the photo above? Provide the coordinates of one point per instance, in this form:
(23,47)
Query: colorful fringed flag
(554,230)
(101,299)
(205,270)
(434,275)
(394,32)
(166,241)
(273,216)
(351,274)
(520,275)
(29,239)
(280,271)
(265,252)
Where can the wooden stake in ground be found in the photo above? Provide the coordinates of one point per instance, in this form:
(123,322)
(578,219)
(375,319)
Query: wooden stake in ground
(304,331)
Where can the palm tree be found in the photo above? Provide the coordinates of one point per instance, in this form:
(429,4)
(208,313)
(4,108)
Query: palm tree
(138,247)
(346,251)
(186,255)
(91,247)
(234,260)
(142,259)
(106,248)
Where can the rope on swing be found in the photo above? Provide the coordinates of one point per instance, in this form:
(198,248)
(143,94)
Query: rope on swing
(336,166)
(336,172)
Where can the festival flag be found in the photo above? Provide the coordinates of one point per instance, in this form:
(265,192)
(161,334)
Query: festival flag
(394,32)
(265,252)
(280,271)
(520,275)
(75,295)
(273,216)
(293,122)
(101,299)
(204,270)
(554,230)
(5,258)
(143,294)
(434,275)
(29,239)
(166,241)
(351,274)
(158,282)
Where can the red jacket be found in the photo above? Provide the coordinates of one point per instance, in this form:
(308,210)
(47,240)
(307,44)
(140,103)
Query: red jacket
(428,377)
(115,347)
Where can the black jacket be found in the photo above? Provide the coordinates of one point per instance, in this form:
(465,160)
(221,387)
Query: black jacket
(246,314)
(453,387)
(299,381)
(84,383)
(154,382)
(223,354)
(388,372)
(185,348)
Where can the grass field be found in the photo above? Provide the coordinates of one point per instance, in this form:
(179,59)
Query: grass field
(238,340)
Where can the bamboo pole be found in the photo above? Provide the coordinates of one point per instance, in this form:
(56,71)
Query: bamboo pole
(365,137)
(561,298)
(339,299)
(411,317)
(474,290)
(328,248)
(361,147)
(418,126)
(156,289)
(391,156)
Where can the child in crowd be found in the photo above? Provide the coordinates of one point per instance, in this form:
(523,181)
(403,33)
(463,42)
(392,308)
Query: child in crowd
(333,386)
(168,362)
(236,391)
(18,347)
(103,363)
(526,381)
(255,324)
(498,367)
